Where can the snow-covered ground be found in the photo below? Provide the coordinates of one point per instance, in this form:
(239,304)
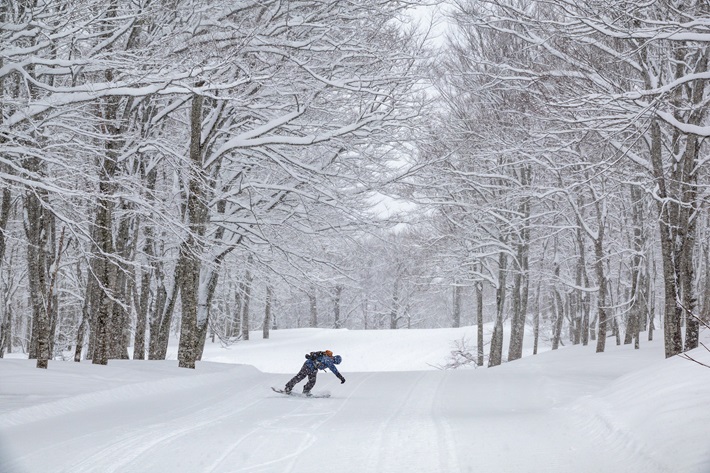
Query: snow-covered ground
(571,410)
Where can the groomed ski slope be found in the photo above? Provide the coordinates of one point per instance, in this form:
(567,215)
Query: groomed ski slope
(571,410)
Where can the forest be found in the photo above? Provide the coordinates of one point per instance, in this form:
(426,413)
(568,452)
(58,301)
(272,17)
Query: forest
(200,169)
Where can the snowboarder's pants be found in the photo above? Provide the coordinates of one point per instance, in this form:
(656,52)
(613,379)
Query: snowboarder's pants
(305,371)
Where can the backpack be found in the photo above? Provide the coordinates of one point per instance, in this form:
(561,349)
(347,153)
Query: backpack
(313,356)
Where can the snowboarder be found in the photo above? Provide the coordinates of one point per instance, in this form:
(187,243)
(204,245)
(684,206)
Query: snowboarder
(315,360)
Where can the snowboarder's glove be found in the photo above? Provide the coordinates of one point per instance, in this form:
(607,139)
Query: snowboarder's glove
(342,379)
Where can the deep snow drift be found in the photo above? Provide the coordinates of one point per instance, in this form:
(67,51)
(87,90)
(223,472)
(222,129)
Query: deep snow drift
(571,410)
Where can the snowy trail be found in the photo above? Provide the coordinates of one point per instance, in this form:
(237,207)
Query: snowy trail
(429,421)
(558,412)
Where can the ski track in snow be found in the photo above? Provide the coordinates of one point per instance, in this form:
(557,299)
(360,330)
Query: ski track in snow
(127,442)
(290,424)
(406,439)
(120,453)
(60,413)
(590,415)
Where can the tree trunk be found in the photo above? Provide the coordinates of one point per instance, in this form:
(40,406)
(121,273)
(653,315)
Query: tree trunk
(142,316)
(38,226)
(147,274)
(365,313)
(690,209)
(104,250)
(6,319)
(313,305)
(637,280)
(5,331)
(601,295)
(479,322)
(106,283)
(191,248)
(496,354)
(394,309)
(457,289)
(248,280)
(558,312)
(520,304)
(536,320)
(688,222)
(582,280)
(5,208)
(156,317)
(163,316)
(521,283)
(705,313)
(92,298)
(267,310)
(189,277)
(52,304)
(580,335)
(672,312)
(81,332)
(120,322)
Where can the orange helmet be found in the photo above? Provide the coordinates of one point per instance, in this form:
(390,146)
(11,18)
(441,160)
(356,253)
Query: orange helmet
(328,353)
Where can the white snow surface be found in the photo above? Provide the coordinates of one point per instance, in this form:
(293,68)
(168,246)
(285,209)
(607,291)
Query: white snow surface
(570,410)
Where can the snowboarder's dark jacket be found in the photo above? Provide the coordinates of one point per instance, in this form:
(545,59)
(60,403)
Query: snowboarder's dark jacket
(320,361)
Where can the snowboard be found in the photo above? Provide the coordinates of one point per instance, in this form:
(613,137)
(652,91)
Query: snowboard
(318,395)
